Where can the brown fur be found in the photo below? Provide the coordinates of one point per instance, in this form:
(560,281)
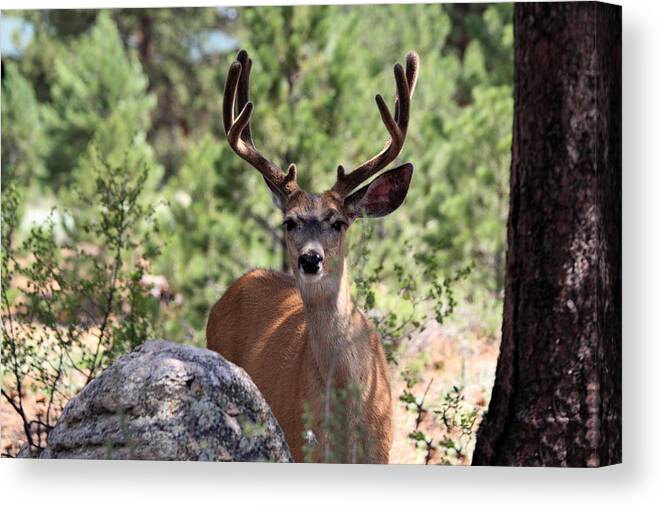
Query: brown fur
(277,346)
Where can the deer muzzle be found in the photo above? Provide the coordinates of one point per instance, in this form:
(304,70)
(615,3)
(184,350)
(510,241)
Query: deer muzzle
(310,263)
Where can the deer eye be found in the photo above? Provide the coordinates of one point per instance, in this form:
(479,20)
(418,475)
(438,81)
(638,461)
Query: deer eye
(338,225)
(290,224)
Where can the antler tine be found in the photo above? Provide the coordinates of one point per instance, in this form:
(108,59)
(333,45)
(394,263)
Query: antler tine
(236,99)
(243,90)
(412,67)
(397,127)
(228,95)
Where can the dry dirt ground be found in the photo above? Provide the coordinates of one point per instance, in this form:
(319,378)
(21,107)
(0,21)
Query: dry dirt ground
(13,437)
(447,356)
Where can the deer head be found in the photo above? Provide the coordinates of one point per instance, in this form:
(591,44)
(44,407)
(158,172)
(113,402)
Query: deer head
(316,224)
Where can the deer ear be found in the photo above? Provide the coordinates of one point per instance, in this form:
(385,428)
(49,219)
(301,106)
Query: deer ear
(381,197)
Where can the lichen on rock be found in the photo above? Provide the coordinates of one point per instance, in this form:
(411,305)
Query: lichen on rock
(165,401)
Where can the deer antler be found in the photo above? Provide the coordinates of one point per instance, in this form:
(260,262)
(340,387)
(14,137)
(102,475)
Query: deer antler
(236,100)
(396,127)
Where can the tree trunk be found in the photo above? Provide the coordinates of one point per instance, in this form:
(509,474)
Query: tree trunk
(557,396)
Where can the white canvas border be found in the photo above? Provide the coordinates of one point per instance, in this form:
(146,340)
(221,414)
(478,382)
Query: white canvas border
(633,483)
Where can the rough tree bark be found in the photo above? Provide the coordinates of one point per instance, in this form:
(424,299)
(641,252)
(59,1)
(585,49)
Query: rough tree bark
(557,396)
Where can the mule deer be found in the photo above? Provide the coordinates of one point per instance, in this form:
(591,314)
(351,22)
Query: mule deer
(299,336)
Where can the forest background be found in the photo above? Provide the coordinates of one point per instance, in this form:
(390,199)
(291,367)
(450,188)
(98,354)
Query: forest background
(126,215)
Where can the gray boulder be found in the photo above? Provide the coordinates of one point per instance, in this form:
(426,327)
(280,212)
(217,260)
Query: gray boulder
(165,401)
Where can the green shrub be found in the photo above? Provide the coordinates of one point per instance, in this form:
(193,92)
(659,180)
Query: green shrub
(71,306)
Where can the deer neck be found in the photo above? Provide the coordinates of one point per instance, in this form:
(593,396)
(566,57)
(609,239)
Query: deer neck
(330,321)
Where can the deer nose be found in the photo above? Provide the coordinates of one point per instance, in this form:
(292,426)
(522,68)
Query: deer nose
(310,262)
